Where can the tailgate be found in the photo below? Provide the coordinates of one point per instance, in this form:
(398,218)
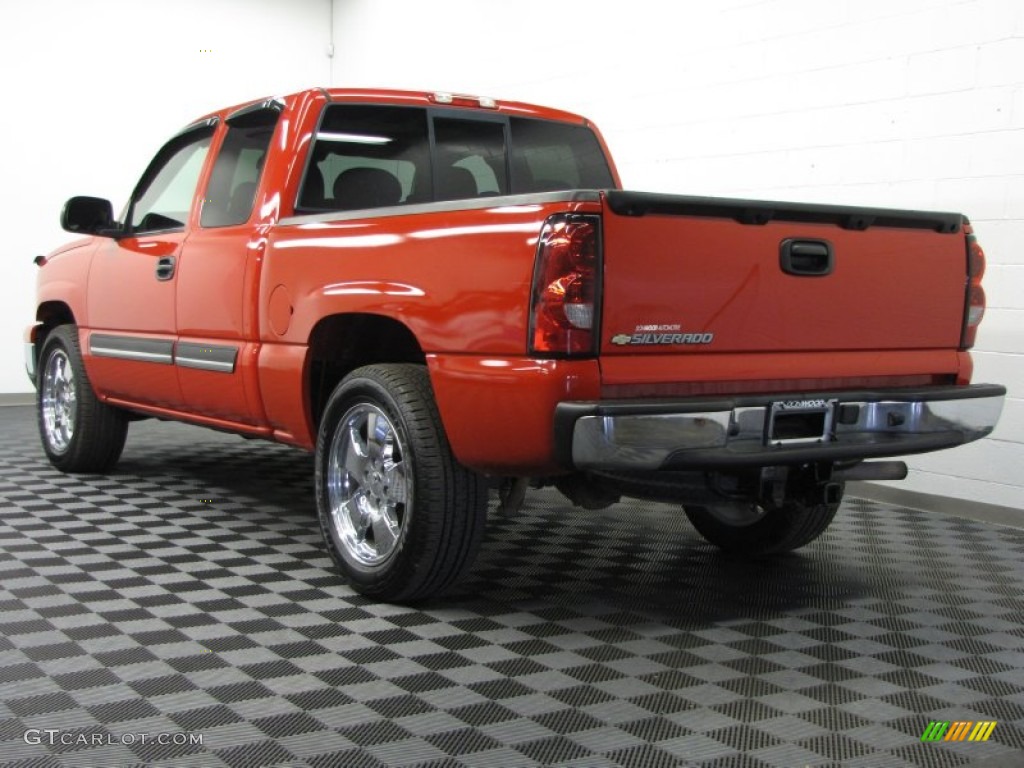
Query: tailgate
(685,276)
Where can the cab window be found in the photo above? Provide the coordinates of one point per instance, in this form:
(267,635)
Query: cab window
(367,156)
(163,197)
(373,156)
(236,172)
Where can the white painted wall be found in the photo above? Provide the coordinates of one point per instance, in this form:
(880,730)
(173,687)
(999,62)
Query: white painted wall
(909,103)
(914,103)
(92,89)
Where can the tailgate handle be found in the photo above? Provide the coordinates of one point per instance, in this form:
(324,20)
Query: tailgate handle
(806,258)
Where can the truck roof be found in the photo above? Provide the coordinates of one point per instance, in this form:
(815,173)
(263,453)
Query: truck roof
(414,98)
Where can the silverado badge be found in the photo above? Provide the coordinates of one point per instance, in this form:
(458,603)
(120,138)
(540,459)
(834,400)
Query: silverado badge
(644,337)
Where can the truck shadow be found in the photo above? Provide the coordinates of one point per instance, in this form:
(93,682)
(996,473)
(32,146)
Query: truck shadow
(634,556)
(644,556)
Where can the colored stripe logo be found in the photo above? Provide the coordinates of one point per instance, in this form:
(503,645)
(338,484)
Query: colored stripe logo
(958,730)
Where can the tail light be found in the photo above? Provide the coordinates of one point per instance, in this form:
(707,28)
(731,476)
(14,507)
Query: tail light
(566,282)
(974,304)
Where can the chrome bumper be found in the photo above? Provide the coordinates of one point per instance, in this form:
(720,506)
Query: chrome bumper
(625,435)
(30,361)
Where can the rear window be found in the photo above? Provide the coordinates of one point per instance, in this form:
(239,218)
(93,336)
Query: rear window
(374,156)
(470,158)
(550,156)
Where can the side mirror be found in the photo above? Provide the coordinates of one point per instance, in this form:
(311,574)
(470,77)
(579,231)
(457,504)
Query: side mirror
(89,216)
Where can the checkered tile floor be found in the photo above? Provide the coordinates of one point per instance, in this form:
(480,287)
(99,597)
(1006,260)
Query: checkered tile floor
(188,594)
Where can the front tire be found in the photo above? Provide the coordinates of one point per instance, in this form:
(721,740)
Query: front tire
(401,517)
(745,528)
(79,433)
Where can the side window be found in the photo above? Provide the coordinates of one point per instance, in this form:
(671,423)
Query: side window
(550,156)
(236,172)
(470,158)
(163,198)
(367,156)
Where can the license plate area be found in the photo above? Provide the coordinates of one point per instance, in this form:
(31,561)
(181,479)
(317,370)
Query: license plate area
(800,421)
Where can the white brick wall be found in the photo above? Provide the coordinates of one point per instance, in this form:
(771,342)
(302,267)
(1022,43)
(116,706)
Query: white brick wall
(910,103)
(914,103)
(92,90)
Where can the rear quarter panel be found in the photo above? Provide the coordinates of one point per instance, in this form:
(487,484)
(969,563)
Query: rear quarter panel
(458,278)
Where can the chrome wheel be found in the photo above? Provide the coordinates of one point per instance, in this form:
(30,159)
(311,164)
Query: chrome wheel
(368,489)
(59,397)
(79,433)
(402,519)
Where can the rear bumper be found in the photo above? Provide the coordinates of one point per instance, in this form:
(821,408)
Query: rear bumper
(772,430)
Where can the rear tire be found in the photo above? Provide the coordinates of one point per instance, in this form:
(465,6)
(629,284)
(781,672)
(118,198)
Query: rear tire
(79,433)
(401,517)
(770,531)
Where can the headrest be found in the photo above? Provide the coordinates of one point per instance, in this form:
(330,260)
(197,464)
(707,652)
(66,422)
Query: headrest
(366,188)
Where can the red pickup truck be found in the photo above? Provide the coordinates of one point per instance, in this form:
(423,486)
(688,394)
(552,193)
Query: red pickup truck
(439,294)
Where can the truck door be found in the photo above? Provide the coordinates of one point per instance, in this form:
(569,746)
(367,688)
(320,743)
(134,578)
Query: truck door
(218,277)
(132,281)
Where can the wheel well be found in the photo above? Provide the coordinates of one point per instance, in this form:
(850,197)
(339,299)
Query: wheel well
(341,343)
(51,314)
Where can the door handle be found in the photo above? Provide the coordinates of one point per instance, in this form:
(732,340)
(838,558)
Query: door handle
(806,258)
(165,268)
